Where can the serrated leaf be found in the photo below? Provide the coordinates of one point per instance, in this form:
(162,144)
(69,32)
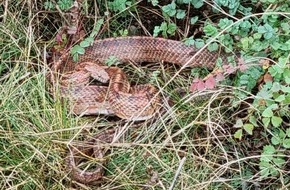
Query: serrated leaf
(281,134)
(189,41)
(156,31)
(77,49)
(248,128)
(276,121)
(274,171)
(199,43)
(264,170)
(279,161)
(286,143)
(213,47)
(180,14)
(275,140)
(171,28)
(170,9)
(238,134)
(269,149)
(267,113)
(210,30)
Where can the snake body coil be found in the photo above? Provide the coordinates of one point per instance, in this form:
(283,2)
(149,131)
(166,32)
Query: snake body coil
(130,103)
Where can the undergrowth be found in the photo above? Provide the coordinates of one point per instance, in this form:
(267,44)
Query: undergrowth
(234,136)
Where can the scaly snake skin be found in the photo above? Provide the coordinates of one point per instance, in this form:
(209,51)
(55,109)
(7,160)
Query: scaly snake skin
(130,103)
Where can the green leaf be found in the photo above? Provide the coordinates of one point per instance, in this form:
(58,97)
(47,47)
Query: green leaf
(281,134)
(156,31)
(279,161)
(154,2)
(238,134)
(210,30)
(276,87)
(96,29)
(287,79)
(213,47)
(274,171)
(75,57)
(275,140)
(276,121)
(280,98)
(285,27)
(264,168)
(112,60)
(85,44)
(199,43)
(163,28)
(267,113)
(257,36)
(269,149)
(239,123)
(266,121)
(225,22)
(273,106)
(245,43)
(77,49)
(267,31)
(65,4)
(286,143)
(170,9)
(180,14)
(197,3)
(48,5)
(285,89)
(288,132)
(118,5)
(249,128)
(193,20)
(253,120)
(189,41)
(171,28)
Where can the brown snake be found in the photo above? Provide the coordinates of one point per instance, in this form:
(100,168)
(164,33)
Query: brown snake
(130,103)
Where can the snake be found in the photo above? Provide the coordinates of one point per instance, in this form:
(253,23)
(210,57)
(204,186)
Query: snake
(135,103)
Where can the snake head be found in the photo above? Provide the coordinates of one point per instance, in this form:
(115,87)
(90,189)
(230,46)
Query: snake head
(98,72)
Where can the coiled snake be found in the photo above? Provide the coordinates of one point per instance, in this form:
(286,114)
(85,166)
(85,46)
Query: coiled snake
(130,103)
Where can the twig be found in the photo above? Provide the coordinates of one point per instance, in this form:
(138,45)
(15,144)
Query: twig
(177,173)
